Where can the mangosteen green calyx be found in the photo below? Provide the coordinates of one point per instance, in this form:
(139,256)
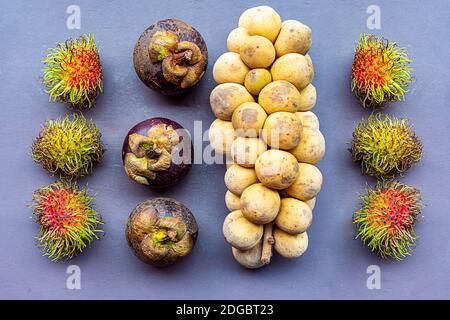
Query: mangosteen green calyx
(157,152)
(387,219)
(73,72)
(67,221)
(160,231)
(381,71)
(170,56)
(68,146)
(385,146)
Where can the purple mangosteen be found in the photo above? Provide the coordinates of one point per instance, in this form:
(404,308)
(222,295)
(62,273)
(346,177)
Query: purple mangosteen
(160,231)
(170,56)
(157,152)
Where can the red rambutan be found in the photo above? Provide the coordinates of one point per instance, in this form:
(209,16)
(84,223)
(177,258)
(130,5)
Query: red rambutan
(66,218)
(387,218)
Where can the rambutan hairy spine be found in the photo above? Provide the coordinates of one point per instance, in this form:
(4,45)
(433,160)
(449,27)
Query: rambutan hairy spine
(73,72)
(381,71)
(386,221)
(68,146)
(67,221)
(385,146)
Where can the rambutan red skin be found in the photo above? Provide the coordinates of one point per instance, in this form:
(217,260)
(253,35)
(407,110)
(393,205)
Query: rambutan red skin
(73,72)
(386,222)
(59,207)
(370,69)
(84,69)
(66,219)
(392,208)
(380,71)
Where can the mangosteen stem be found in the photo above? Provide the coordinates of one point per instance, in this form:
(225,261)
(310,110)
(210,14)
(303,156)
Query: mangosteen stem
(194,74)
(193,54)
(172,67)
(162,44)
(268,241)
(185,66)
(137,169)
(140,145)
(172,234)
(169,229)
(151,247)
(163,163)
(160,236)
(148,154)
(176,229)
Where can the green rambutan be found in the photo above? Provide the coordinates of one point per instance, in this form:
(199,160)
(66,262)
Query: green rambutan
(387,218)
(68,146)
(73,72)
(385,146)
(380,71)
(66,219)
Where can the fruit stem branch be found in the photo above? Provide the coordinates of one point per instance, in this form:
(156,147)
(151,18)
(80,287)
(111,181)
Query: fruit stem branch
(268,241)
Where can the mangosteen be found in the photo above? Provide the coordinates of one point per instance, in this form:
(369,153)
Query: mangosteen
(170,56)
(157,152)
(161,230)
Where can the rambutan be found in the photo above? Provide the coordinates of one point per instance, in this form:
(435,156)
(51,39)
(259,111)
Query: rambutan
(380,72)
(68,146)
(67,221)
(73,72)
(385,146)
(387,218)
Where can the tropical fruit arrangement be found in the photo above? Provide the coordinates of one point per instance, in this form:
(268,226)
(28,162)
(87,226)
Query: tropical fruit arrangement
(170,57)
(68,148)
(265,129)
(385,147)
(271,138)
